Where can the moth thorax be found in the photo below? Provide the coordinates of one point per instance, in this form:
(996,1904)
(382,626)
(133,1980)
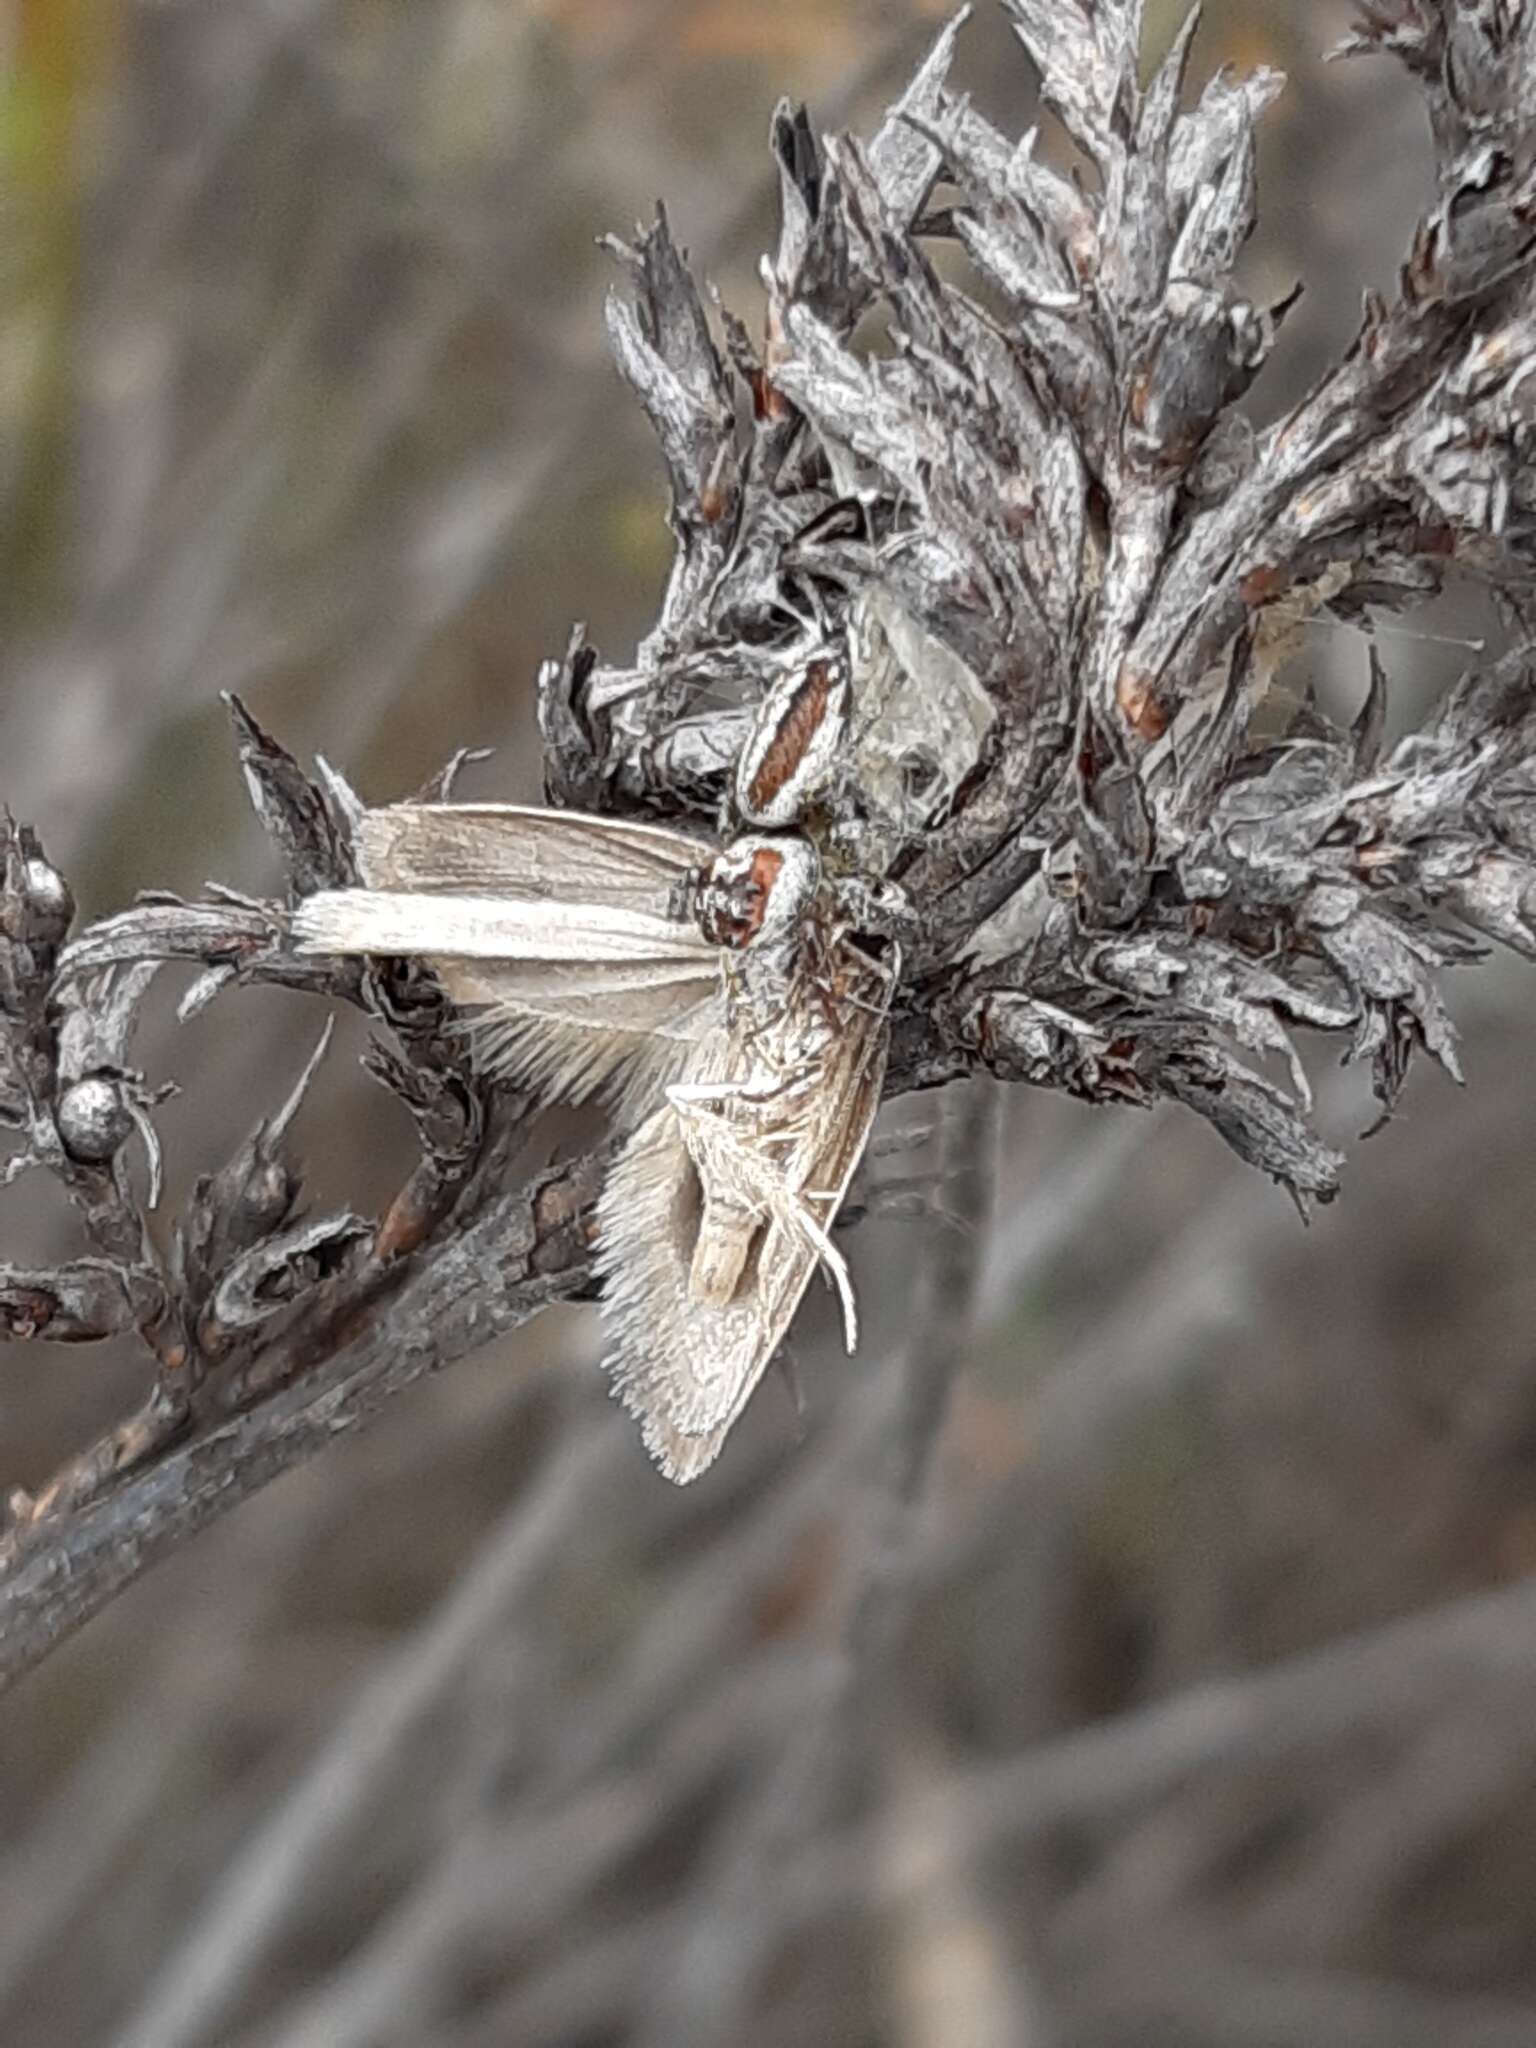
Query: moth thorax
(789,760)
(757,890)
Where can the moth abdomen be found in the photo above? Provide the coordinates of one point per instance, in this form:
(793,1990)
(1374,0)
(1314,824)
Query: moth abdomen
(721,1250)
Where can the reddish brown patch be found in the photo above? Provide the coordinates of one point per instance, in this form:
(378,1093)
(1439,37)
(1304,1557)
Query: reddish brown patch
(789,1604)
(986,1031)
(737,926)
(405,1226)
(801,722)
(768,401)
(767,866)
(1263,585)
(27,1311)
(1135,693)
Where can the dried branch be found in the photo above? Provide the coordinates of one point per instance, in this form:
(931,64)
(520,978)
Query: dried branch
(84,1540)
(1067,567)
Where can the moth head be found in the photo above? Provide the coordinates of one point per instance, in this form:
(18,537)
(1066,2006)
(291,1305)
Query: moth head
(756,890)
(791,756)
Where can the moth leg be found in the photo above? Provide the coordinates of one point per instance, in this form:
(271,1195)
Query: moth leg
(878,909)
(835,1266)
(687,1095)
(912,1137)
(907,1198)
(875,1190)
(732,1217)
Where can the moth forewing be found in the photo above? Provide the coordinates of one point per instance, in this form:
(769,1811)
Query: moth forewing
(715,1215)
(556,929)
(525,852)
(480,925)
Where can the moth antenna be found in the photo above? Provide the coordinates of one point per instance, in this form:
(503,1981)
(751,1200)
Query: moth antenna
(1375,629)
(836,1268)
(812,625)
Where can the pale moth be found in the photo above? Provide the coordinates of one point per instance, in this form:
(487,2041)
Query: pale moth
(714,994)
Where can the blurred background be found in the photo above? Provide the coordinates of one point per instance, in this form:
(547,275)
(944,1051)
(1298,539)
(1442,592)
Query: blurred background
(1126,1649)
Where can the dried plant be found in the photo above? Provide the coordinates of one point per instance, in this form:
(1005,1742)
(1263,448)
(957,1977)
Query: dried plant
(1069,566)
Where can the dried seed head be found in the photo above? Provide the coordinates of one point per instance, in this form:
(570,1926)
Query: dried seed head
(35,901)
(94,1118)
(50,903)
(789,760)
(756,891)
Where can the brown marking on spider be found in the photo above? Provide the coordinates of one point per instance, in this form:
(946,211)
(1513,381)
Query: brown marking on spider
(732,907)
(791,742)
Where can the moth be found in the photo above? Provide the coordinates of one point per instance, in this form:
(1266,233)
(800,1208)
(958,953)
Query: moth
(715,994)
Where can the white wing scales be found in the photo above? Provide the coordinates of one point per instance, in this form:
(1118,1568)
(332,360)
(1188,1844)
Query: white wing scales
(623,1032)
(483,926)
(552,926)
(685,1368)
(554,929)
(525,853)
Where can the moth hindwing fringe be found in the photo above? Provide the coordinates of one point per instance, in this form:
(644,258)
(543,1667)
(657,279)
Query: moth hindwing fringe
(553,929)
